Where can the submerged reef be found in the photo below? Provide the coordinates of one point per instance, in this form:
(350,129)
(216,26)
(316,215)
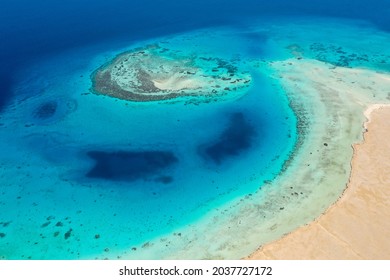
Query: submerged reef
(154,73)
(131,166)
(344,57)
(339,56)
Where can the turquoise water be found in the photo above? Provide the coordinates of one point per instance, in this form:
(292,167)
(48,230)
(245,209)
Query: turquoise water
(85,174)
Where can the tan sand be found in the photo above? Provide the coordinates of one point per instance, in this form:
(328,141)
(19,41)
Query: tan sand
(358,225)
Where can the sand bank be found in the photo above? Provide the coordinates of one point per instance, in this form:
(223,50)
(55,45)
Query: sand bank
(358,225)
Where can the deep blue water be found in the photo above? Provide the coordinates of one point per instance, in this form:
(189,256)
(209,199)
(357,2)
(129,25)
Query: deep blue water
(236,137)
(33,28)
(130,166)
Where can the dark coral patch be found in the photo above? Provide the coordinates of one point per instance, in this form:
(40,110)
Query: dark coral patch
(45,224)
(68,233)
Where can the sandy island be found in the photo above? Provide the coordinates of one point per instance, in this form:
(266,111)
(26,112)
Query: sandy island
(358,225)
(155,73)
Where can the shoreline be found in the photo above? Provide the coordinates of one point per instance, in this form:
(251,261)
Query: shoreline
(340,233)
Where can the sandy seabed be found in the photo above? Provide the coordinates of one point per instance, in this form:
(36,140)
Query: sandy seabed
(358,225)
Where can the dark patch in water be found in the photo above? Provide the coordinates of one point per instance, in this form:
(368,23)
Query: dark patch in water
(164,179)
(130,166)
(255,43)
(68,233)
(46,110)
(45,224)
(236,138)
(51,111)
